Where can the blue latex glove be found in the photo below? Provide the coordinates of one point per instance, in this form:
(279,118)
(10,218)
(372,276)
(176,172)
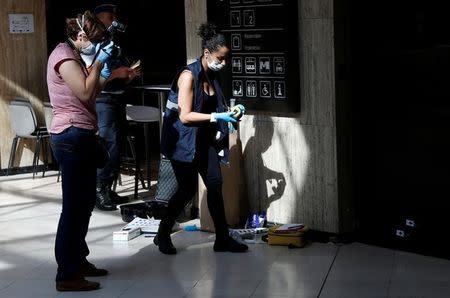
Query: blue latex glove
(106,71)
(225,116)
(191,228)
(104,53)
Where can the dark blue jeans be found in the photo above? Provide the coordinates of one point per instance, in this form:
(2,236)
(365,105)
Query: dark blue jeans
(74,150)
(111,127)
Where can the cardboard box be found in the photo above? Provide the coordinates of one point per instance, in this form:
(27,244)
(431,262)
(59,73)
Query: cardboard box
(233,190)
(126,234)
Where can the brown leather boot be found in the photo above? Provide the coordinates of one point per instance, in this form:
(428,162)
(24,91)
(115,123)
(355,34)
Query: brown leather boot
(79,284)
(89,269)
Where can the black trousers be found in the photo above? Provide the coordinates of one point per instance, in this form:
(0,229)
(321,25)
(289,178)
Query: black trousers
(206,163)
(111,115)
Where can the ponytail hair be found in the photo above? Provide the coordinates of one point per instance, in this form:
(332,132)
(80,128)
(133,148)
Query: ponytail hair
(211,38)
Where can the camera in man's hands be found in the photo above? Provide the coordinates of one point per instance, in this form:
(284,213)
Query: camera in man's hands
(109,36)
(113,29)
(117,27)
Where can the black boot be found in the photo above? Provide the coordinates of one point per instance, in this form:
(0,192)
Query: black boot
(163,241)
(116,198)
(227,243)
(103,201)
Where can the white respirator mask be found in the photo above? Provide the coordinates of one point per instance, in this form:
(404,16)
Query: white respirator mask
(88,59)
(87,53)
(214,65)
(89,50)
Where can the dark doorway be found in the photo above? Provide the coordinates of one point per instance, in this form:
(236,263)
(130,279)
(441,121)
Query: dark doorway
(400,77)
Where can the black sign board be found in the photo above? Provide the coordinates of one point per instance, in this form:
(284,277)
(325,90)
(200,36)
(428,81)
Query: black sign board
(263,70)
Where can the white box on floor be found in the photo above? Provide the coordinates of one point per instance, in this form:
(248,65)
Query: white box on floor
(126,234)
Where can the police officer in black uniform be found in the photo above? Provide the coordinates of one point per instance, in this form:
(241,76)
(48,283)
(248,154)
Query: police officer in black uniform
(110,105)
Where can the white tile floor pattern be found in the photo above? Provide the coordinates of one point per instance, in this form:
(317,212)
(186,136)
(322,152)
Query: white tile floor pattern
(29,212)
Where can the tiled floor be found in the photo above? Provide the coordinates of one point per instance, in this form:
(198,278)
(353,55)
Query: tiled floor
(29,211)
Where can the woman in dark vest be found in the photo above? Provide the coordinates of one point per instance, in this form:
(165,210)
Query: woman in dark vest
(195,139)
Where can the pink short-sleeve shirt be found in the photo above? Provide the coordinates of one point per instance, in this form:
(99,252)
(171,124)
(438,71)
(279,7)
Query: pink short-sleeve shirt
(68,110)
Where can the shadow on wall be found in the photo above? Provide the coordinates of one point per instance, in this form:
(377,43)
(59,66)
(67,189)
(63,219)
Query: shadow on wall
(264,185)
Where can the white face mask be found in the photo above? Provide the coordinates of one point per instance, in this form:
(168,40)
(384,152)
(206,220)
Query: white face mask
(214,65)
(89,50)
(88,59)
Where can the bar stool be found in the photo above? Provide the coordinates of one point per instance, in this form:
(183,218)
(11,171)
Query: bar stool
(142,115)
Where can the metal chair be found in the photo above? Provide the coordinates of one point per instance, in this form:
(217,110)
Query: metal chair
(24,124)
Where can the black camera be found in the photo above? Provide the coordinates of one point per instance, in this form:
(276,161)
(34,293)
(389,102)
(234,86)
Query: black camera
(117,27)
(109,35)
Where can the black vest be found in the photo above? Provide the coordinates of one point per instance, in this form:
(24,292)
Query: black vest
(178,140)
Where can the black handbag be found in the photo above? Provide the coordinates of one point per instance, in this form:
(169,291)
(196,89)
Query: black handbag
(165,189)
(102,155)
(167,183)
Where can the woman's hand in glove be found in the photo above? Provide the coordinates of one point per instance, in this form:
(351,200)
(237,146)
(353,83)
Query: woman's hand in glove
(225,116)
(106,71)
(105,52)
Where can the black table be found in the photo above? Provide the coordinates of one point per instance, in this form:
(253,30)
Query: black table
(162,90)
